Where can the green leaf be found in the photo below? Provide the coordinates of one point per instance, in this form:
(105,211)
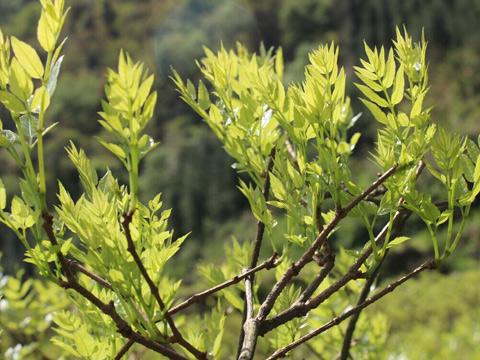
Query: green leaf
(115,149)
(29,125)
(218,339)
(41,100)
(398,86)
(203,96)
(397,241)
(22,215)
(143,92)
(3,196)
(371,95)
(53,78)
(278,189)
(389,70)
(377,113)
(279,62)
(476,173)
(343,147)
(11,102)
(417,106)
(28,58)
(45,33)
(65,248)
(116,275)
(21,84)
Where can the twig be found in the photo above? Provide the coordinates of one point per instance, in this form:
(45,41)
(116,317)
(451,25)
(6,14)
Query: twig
(317,281)
(290,150)
(108,309)
(124,349)
(79,267)
(177,336)
(347,338)
(195,298)
(261,226)
(280,353)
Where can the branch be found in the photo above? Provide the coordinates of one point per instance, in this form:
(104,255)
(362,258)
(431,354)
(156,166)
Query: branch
(257,245)
(195,298)
(301,309)
(177,336)
(79,267)
(261,226)
(317,281)
(250,326)
(347,338)
(124,349)
(295,268)
(108,309)
(280,353)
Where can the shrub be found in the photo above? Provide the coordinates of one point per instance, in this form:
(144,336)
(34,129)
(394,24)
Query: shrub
(109,251)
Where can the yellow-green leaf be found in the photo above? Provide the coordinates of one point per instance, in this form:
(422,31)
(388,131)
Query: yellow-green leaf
(45,33)
(372,95)
(389,70)
(3,196)
(277,187)
(28,58)
(417,106)
(11,102)
(41,99)
(377,113)
(398,86)
(279,62)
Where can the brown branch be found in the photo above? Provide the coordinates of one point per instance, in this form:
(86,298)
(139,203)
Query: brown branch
(295,268)
(177,336)
(280,353)
(301,309)
(195,298)
(257,245)
(347,338)
(250,326)
(108,309)
(79,267)
(261,226)
(317,281)
(124,349)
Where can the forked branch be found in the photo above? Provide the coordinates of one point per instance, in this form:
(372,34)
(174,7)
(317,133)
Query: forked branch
(177,336)
(108,309)
(280,353)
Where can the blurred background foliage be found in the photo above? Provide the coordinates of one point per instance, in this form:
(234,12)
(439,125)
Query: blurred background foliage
(435,317)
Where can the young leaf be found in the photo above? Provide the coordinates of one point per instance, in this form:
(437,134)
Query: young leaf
(53,78)
(28,58)
(378,114)
(371,95)
(397,241)
(3,196)
(45,34)
(398,86)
